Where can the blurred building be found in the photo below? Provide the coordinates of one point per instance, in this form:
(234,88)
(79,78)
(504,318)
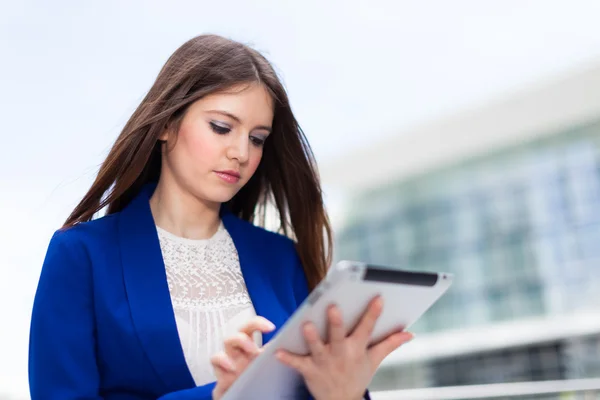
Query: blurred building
(507,197)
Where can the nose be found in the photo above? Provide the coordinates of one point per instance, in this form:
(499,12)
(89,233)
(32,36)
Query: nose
(238,148)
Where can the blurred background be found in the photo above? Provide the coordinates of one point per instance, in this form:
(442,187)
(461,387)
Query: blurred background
(459,136)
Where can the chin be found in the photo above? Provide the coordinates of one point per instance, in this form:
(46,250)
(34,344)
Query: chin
(221,196)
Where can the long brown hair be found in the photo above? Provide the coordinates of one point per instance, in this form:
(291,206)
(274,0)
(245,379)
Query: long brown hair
(286,177)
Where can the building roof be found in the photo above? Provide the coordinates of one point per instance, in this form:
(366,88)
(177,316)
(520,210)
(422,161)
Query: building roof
(546,108)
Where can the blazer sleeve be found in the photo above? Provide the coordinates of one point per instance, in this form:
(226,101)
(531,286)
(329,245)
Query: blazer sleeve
(197,393)
(62,362)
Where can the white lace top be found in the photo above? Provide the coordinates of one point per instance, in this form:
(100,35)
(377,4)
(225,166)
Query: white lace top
(208,294)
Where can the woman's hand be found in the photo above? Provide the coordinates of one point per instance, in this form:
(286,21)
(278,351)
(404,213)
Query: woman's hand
(239,351)
(344,367)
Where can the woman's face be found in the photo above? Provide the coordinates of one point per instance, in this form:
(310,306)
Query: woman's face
(219,144)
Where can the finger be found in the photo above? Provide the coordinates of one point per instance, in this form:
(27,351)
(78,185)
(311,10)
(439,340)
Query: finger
(257,324)
(224,380)
(222,376)
(314,342)
(223,362)
(302,364)
(363,331)
(240,343)
(337,333)
(382,349)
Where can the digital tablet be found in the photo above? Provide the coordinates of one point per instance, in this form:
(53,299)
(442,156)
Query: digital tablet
(351,286)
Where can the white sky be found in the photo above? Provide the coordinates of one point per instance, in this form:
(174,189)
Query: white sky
(71,72)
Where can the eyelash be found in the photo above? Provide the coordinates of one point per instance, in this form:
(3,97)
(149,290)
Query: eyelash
(256,141)
(221,130)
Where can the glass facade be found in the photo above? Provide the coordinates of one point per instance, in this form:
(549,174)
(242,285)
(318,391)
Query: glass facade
(519,228)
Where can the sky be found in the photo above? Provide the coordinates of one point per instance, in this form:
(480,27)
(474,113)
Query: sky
(72,72)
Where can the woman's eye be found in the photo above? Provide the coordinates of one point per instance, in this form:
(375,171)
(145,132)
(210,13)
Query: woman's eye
(220,129)
(257,141)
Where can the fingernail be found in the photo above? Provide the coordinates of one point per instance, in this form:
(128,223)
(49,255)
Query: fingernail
(269,325)
(334,311)
(309,329)
(266,323)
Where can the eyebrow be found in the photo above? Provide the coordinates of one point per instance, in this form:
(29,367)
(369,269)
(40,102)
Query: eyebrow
(238,120)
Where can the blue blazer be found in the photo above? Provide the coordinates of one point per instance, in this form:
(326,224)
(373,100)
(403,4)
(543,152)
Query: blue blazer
(103,326)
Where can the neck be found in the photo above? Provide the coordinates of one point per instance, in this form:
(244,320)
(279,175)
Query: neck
(181,213)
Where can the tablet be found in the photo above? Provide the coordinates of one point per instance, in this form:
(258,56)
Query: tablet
(351,286)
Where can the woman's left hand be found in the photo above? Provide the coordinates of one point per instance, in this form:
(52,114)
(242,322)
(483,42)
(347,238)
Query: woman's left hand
(343,367)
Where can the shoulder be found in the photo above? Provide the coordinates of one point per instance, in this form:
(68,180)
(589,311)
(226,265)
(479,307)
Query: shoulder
(96,229)
(71,254)
(73,241)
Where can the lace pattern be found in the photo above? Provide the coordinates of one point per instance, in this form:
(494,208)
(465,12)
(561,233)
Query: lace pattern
(208,294)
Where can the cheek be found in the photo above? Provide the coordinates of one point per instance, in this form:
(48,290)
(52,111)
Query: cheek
(200,147)
(254,159)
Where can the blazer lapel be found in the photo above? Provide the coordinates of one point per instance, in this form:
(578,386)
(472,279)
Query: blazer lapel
(148,293)
(254,264)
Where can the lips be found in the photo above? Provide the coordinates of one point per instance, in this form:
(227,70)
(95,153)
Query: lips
(230,172)
(229,176)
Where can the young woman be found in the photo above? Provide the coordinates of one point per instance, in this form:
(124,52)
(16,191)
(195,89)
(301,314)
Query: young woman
(161,297)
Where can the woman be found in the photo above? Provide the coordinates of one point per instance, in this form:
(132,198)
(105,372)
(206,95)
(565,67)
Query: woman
(161,298)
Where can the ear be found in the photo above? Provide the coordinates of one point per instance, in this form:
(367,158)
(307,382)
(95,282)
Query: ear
(166,133)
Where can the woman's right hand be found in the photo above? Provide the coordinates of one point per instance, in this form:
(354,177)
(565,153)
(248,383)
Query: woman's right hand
(239,351)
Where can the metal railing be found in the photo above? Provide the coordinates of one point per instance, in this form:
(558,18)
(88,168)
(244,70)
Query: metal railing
(564,389)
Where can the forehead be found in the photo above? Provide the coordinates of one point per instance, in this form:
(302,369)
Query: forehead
(251,103)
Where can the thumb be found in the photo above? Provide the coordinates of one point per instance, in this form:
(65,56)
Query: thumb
(381,350)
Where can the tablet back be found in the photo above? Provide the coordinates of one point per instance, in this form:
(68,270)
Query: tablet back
(351,286)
